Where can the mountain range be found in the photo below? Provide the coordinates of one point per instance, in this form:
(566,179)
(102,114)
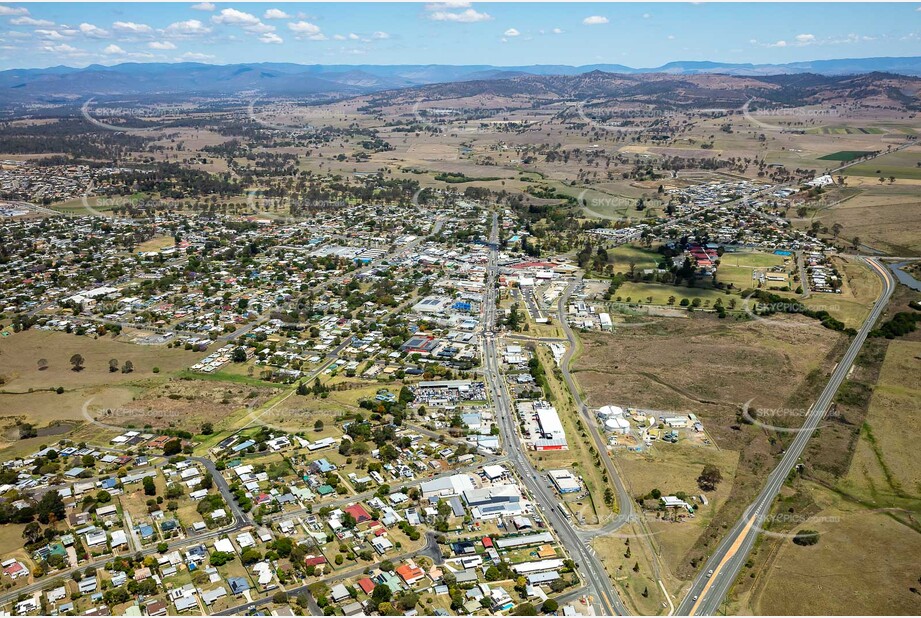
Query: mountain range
(62,84)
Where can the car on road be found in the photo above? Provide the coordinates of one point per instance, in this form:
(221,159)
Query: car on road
(710,572)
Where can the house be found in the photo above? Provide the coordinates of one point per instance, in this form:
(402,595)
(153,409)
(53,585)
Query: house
(339,593)
(410,573)
(381,544)
(367,586)
(87,585)
(211,596)
(238,585)
(359,512)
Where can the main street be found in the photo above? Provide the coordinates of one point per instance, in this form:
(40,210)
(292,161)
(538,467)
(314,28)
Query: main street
(589,566)
(709,588)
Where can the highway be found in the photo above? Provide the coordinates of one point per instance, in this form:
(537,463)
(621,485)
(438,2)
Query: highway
(588,565)
(709,588)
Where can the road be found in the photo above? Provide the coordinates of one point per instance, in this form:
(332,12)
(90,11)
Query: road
(588,565)
(708,592)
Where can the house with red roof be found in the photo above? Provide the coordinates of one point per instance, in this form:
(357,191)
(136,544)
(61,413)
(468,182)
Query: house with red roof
(359,512)
(367,586)
(410,573)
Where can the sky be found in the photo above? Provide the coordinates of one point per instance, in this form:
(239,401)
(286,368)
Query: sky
(640,35)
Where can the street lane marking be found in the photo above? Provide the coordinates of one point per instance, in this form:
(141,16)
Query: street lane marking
(729,554)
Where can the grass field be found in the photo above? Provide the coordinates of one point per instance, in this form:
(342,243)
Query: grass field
(864,564)
(621,257)
(901,165)
(884,469)
(882,216)
(674,468)
(642,292)
(845,155)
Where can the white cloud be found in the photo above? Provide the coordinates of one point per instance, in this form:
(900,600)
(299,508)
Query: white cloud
(353,36)
(595,20)
(113,50)
(468,16)
(163,45)
(511,32)
(131,27)
(233,16)
(557,31)
(29,21)
(805,39)
(778,44)
(338,37)
(13,10)
(190,27)
(271,37)
(380,35)
(195,56)
(92,31)
(64,50)
(646,15)
(204,6)
(670,37)
(51,35)
(275,14)
(306,29)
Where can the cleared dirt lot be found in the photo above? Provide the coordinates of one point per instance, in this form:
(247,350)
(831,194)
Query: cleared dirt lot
(710,367)
(702,365)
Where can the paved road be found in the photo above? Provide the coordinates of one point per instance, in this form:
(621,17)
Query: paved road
(588,565)
(708,591)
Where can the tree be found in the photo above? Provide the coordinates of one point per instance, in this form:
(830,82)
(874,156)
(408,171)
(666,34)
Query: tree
(150,488)
(128,367)
(805,538)
(207,429)
(318,426)
(709,478)
(173,447)
(113,365)
(32,532)
(76,362)
(239,355)
(525,609)
(549,606)
(50,508)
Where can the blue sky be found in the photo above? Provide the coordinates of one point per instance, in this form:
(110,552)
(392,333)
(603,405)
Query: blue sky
(452,32)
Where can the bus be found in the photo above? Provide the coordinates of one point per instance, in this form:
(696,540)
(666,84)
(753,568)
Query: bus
(564,510)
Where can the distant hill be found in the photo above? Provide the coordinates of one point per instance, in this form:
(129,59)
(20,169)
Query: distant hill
(668,90)
(62,83)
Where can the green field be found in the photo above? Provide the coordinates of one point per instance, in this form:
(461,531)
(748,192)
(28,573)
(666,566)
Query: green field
(751,260)
(902,164)
(641,292)
(845,155)
(846,131)
(621,257)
